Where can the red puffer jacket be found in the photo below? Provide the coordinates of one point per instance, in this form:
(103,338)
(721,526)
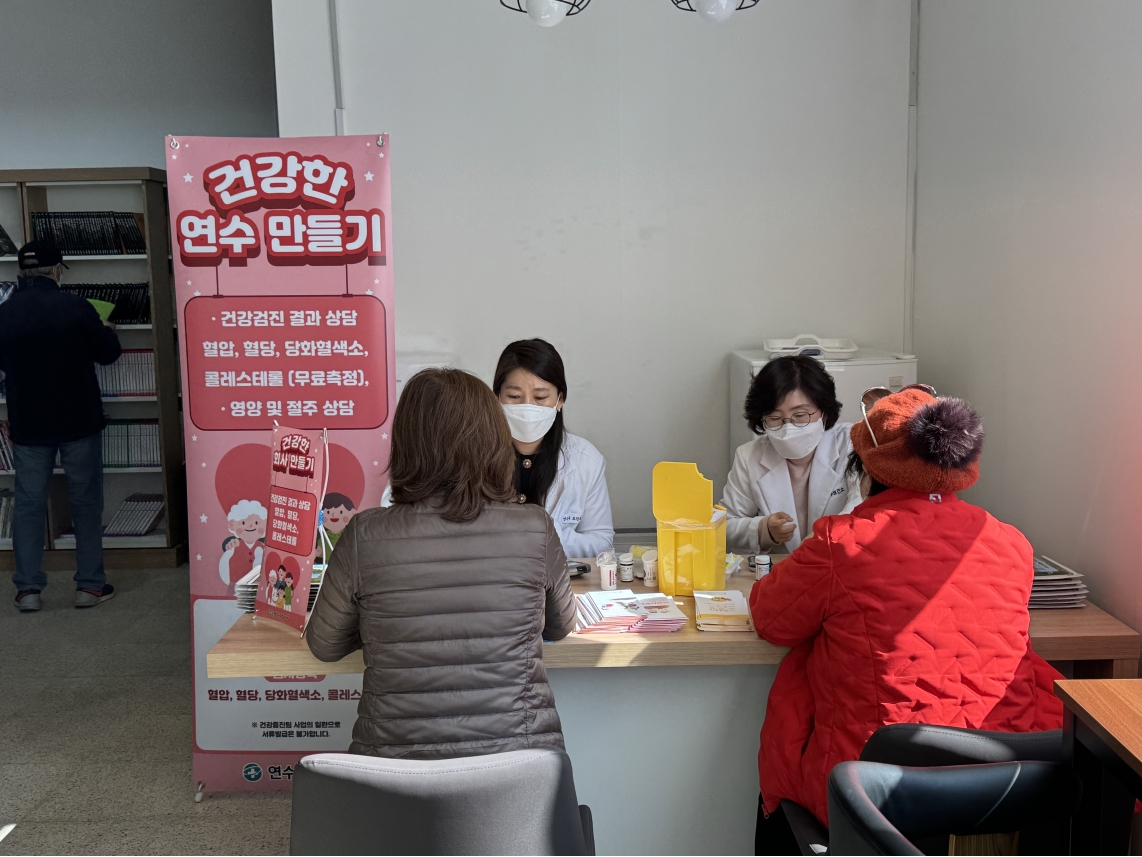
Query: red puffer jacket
(913,609)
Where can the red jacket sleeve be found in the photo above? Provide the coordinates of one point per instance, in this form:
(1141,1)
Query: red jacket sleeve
(789,604)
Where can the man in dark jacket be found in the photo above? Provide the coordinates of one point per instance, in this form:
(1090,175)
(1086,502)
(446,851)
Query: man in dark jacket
(49,343)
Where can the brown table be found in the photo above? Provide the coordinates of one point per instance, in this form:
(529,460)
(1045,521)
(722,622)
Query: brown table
(1100,645)
(1102,740)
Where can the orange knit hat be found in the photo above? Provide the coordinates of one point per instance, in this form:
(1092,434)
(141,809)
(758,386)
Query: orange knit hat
(926,444)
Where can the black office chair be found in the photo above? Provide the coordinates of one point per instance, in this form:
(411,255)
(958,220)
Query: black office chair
(886,809)
(921,745)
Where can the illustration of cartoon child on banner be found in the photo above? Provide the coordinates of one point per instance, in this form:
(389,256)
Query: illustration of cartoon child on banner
(284,293)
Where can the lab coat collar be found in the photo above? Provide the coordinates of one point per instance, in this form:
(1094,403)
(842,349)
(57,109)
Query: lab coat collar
(777,489)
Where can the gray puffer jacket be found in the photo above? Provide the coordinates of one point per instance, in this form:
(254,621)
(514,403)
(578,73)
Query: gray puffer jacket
(451,617)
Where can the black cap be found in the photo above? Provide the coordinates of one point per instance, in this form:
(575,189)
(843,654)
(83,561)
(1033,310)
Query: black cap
(40,254)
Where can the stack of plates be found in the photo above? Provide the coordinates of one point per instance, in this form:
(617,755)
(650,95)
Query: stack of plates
(1056,586)
(246,591)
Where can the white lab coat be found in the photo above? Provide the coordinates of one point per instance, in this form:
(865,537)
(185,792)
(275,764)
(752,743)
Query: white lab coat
(578,501)
(759,485)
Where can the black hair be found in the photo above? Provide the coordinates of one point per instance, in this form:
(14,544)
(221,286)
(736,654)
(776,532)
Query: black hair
(333,500)
(855,470)
(780,377)
(541,359)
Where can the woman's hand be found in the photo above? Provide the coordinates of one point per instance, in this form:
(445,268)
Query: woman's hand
(781,527)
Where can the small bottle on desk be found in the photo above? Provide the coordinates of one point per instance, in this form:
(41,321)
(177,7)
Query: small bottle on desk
(761,565)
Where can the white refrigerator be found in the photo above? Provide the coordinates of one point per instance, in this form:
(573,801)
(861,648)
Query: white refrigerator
(866,369)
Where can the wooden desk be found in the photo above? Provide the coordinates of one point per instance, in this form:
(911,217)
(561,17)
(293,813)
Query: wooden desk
(1102,740)
(1100,645)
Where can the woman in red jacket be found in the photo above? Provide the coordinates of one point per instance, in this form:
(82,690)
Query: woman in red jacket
(912,609)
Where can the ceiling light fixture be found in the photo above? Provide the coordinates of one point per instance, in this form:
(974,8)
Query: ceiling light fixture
(714,11)
(546,13)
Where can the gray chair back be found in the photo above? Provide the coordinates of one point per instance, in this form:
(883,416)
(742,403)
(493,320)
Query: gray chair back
(522,802)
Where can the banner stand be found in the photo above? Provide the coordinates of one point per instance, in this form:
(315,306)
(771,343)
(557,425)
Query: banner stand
(284,293)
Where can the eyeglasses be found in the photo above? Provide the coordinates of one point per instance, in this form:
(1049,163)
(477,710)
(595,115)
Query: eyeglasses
(800,420)
(875,394)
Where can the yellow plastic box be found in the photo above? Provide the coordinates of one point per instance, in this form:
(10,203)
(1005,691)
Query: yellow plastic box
(691,530)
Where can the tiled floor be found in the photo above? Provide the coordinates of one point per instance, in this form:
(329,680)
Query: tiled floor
(95,730)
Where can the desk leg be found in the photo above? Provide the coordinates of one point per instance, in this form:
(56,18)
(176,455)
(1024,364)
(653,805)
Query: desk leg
(1106,669)
(1100,825)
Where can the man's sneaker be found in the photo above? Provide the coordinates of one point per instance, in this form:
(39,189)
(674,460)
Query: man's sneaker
(28,600)
(91,597)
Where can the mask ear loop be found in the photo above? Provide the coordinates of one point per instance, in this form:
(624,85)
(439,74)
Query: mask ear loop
(871,433)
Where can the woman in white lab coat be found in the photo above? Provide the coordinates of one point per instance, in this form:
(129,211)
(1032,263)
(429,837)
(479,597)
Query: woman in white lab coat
(560,471)
(794,472)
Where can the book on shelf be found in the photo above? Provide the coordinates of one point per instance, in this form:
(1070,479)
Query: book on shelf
(138,515)
(132,301)
(91,233)
(133,374)
(7,504)
(126,443)
(722,611)
(131,443)
(7,245)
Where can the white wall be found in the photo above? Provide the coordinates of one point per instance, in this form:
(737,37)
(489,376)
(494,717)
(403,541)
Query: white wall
(645,190)
(98,83)
(1028,265)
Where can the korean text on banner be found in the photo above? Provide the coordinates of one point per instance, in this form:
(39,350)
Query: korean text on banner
(282,252)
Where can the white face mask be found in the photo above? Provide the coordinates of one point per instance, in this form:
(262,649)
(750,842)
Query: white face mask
(795,442)
(529,423)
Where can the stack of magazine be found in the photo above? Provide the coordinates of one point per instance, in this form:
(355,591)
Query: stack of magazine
(137,516)
(1056,586)
(314,585)
(246,590)
(722,611)
(621,611)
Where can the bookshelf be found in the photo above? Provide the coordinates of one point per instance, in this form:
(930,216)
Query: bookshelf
(140,191)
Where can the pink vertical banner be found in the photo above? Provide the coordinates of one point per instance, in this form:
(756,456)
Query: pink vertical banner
(284,291)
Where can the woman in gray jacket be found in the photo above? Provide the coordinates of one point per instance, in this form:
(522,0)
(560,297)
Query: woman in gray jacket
(451,591)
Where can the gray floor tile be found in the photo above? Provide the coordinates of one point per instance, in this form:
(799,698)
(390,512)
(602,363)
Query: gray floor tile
(96,731)
(22,787)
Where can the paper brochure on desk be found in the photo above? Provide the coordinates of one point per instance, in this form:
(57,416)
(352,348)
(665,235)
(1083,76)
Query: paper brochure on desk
(282,255)
(724,610)
(624,611)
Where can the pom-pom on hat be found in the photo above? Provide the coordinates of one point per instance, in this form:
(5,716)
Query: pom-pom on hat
(926,443)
